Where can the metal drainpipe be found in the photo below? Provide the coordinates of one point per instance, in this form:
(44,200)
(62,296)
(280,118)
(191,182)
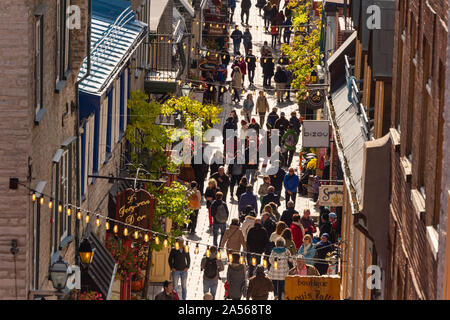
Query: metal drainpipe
(78,169)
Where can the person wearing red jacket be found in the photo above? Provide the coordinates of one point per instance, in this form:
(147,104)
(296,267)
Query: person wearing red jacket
(297,231)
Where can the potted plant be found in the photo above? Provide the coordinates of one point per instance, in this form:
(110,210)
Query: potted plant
(91,295)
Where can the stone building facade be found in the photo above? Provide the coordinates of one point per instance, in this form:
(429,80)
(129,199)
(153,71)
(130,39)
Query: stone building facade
(39,67)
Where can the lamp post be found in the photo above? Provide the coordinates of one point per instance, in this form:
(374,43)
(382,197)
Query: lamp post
(185,90)
(58,274)
(86,252)
(314,76)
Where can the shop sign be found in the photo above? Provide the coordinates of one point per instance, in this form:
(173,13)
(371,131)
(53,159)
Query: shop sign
(316,98)
(312,288)
(316,134)
(332,196)
(134,208)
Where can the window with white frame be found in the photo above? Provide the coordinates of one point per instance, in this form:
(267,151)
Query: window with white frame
(63,36)
(89,148)
(103,131)
(117,111)
(125,98)
(64,193)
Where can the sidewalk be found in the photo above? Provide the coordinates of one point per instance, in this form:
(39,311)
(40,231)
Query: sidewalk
(195,276)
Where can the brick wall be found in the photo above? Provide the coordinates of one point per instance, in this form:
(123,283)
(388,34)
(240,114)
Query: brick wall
(415,254)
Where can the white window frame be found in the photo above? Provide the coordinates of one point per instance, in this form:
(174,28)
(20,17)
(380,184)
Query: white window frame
(117,113)
(125,103)
(58,40)
(103,131)
(64,193)
(89,149)
(38,46)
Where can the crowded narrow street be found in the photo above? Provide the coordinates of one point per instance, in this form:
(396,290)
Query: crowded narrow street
(203,232)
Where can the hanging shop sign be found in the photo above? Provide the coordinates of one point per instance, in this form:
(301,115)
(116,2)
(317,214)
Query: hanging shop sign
(332,196)
(135,208)
(316,98)
(316,134)
(312,288)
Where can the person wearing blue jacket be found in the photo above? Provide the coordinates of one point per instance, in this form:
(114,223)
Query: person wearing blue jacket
(290,185)
(308,249)
(248,199)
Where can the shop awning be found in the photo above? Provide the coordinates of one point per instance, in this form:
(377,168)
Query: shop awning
(376,186)
(348,128)
(336,63)
(115,36)
(188,6)
(102,270)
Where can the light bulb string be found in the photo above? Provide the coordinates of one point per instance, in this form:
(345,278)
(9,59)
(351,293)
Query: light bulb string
(163,235)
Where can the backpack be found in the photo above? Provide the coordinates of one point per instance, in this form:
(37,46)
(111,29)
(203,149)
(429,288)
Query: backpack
(221,213)
(194,201)
(210,268)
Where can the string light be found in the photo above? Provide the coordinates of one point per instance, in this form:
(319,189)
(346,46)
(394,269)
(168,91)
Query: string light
(196,249)
(88,218)
(241,259)
(165,243)
(50,204)
(60,208)
(69,212)
(136,235)
(230,258)
(208,252)
(253,261)
(275,264)
(41,200)
(116,228)
(125,231)
(33,197)
(79,215)
(97,221)
(146,237)
(157,240)
(265,264)
(177,246)
(186,247)
(107,225)
(218,255)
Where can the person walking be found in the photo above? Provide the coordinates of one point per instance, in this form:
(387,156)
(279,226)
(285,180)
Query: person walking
(264,189)
(290,245)
(233,239)
(302,268)
(287,24)
(270,197)
(282,124)
(251,66)
(249,222)
(223,181)
(322,248)
(308,249)
(280,83)
(195,199)
(247,40)
(279,259)
(308,223)
(272,119)
(248,199)
(297,231)
(211,267)
(251,161)
(236,35)
(326,227)
(243,67)
(218,159)
(290,183)
(274,31)
(168,293)
(232,7)
(268,71)
(200,171)
(259,285)
(236,83)
(294,123)
(220,214)
(262,107)
(247,107)
(245,10)
(235,172)
(277,230)
(287,214)
(260,5)
(277,178)
(179,263)
(210,195)
(290,77)
(275,211)
(242,188)
(267,14)
(237,286)
(257,240)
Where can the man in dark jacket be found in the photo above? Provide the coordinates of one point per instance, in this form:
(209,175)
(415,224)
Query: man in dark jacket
(270,197)
(280,81)
(179,263)
(236,35)
(248,198)
(245,10)
(282,124)
(276,180)
(251,65)
(257,240)
(287,214)
(272,118)
(268,70)
(236,171)
(223,182)
(217,205)
(200,171)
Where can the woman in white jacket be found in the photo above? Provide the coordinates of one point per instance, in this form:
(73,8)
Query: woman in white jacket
(279,269)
